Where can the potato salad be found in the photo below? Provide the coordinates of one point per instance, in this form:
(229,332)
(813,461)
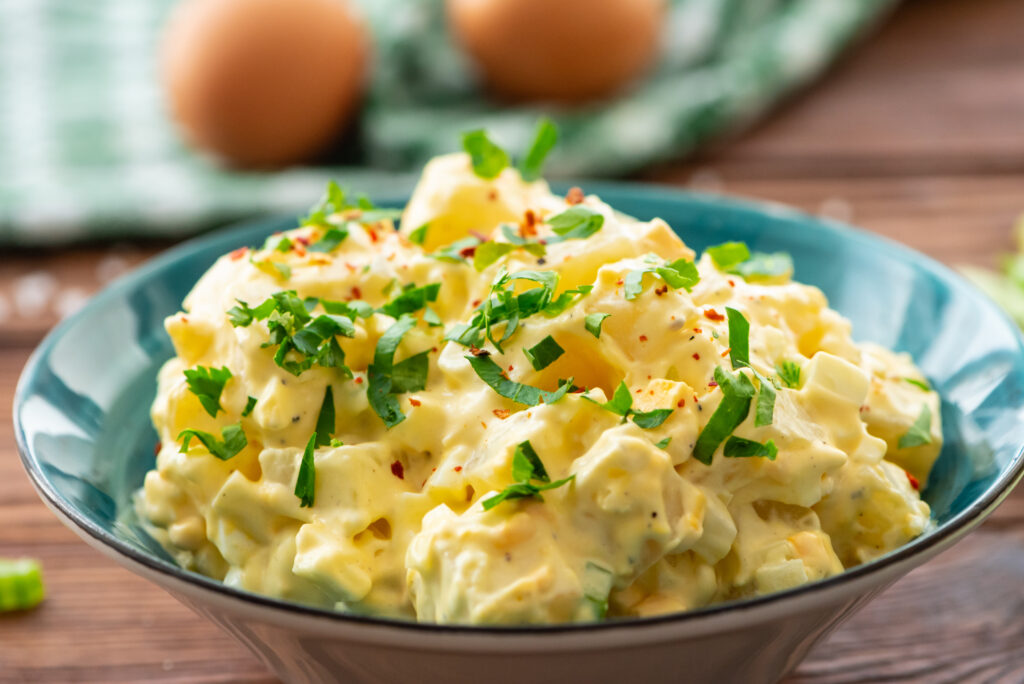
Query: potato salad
(507,406)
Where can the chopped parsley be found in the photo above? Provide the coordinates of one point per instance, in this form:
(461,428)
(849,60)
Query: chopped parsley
(325,419)
(680,273)
(250,404)
(419,236)
(663,444)
(544,353)
(492,374)
(278,243)
(208,384)
(302,340)
(597,584)
(532,166)
(411,300)
(737,259)
(592,322)
(576,223)
(621,404)
(489,252)
(789,373)
(739,355)
(330,240)
(504,306)
(565,300)
(923,386)
(385,378)
(488,159)
(920,432)
(305,482)
(232,443)
(727,255)
(737,393)
(737,447)
(457,251)
(527,468)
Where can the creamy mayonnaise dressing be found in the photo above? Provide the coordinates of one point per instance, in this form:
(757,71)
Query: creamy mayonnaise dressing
(398,527)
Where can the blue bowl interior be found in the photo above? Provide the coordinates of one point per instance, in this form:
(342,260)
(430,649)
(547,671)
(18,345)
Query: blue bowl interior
(82,408)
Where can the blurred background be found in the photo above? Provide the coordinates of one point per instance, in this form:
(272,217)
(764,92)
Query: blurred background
(129,125)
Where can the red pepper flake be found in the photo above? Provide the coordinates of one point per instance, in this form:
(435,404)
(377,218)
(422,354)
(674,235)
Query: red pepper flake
(502,413)
(373,234)
(350,267)
(475,303)
(712,384)
(156,449)
(415,402)
(696,356)
(528,228)
(726,352)
(184,320)
(732,283)
(698,331)
(713,315)
(913,481)
(661,290)
(398,470)
(484,424)
(575,389)
(239,253)
(478,352)
(357,293)
(640,391)
(695,399)
(358,381)
(574,196)
(618,282)
(643,338)
(510,368)
(458,469)
(681,403)
(467,252)
(492,195)
(304,241)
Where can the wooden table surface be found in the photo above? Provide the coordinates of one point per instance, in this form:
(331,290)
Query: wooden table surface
(918,135)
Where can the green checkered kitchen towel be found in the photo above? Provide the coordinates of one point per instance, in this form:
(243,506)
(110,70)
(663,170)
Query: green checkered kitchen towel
(87,150)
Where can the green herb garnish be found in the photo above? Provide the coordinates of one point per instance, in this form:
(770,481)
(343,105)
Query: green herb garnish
(597,584)
(233,441)
(576,223)
(488,159)
(920,432)
(492,374)
(325,419)
(526,468)
(680,273)
(411,300)
(330,240)
(385,378)
(918,384)
(739,355)
(737,447)
(544,353)
(489,252)
(545,139)
(621,404)
(662,444)
(305,482)
(503,306)
(250,404)
(737,393)
(592,322)
(727,255)
(789,373)
(208,384)
(419,236)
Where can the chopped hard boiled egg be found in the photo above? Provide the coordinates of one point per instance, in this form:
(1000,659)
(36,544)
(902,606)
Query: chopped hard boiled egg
(524,408)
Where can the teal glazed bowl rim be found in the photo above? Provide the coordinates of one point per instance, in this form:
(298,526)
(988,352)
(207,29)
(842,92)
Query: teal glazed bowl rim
(717,216)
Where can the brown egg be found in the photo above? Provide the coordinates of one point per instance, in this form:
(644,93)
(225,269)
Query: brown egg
(558,50)
(264,82)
